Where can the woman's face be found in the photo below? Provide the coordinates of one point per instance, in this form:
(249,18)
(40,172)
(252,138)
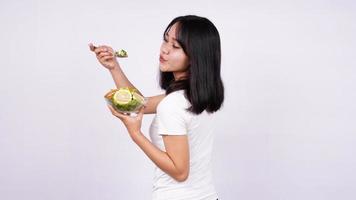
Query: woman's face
(172,57)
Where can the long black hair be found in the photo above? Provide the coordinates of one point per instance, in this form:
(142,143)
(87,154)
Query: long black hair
(203,86)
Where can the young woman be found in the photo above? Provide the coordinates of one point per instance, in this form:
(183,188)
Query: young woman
(181,132)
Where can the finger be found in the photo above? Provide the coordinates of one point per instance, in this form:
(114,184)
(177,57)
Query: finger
(141,112)
(117,114)
(113,111)
(100,49)
(91,47)
(102,54)
(142,109)
(108,48)
(106,58)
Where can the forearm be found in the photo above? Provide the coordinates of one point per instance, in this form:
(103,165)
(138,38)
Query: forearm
(120,78)
(159,157)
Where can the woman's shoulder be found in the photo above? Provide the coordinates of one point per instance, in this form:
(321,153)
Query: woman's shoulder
(174,100)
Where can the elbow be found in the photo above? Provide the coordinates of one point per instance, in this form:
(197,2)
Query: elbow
(181,177)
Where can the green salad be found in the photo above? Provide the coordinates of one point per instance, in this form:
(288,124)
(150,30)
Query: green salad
(125,99)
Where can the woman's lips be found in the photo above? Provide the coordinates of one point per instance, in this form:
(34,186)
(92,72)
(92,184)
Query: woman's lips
(161,59)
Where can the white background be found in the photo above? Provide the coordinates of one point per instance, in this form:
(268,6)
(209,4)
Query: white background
(286,131)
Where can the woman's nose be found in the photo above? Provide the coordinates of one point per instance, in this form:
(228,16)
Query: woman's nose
(164,49)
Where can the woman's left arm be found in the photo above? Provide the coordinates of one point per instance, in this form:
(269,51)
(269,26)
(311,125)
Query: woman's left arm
(175,161)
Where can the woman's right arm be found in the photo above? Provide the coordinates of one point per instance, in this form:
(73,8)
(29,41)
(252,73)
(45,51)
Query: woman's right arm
(106,57)
(121,81)
(151,106)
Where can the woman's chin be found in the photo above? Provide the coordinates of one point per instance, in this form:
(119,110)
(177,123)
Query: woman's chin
(163,68)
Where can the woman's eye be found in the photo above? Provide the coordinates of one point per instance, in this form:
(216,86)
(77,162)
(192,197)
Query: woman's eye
(176,47)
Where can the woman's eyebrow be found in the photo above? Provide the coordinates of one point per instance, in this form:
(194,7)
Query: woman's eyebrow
(172,37)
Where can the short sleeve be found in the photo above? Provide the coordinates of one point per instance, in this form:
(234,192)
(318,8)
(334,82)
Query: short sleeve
(172,117)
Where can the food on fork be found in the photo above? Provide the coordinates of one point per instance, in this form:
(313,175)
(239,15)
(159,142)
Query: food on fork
(120,53)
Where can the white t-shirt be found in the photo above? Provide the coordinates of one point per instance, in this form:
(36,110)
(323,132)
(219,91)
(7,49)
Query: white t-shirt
(172,119)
